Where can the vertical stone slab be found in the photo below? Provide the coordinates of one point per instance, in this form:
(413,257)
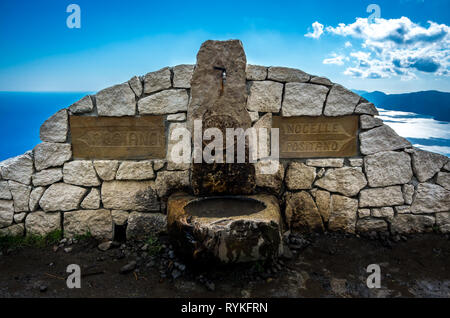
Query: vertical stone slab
(218,100)
(210,93)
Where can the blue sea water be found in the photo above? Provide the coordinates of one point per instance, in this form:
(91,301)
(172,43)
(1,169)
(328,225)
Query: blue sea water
(422,131)
(22,114)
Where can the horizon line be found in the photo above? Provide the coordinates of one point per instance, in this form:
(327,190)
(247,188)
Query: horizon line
(94,92)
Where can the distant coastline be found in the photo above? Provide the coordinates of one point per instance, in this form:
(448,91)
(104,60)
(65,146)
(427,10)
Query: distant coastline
(432,103)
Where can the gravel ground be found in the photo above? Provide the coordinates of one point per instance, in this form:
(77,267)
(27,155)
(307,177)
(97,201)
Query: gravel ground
(326,265)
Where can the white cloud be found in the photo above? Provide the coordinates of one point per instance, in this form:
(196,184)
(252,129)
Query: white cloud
(336,59)
(348,44)
(317,31)
(396,47)
(398,31)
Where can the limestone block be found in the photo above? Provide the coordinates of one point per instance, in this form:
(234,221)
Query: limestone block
(343,214)
(430,198)
(264,96)
(285,74)
(368,122)
(47,177)
(340,101)
(136,85)
(18,168)
(256,72)
(84,105)
(443,179)
(135,170)
(5,193)
(130,195)
(41,223)
(382,138)
(80,172)
(96,222)
(157,81)
(48,154)
(426,164)
(388,168)
(302,214)
(62,197)
(166,102)
(366,108)
(303,99)
(21,195)
(379,197)
(325,163)
(55,128)
(118,100)
(409,224)
(346,180)
(13,230)
(300,176)
(106,169)
(92,200)
(6,213)
(35,196)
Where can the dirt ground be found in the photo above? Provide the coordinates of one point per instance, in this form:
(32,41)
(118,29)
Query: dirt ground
(326,266)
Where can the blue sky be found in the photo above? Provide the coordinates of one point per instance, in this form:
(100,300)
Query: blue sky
(119,39)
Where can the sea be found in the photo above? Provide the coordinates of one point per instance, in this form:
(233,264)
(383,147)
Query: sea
(22,113)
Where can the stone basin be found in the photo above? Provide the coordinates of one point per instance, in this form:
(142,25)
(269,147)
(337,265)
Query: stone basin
(226,228)
(223,207)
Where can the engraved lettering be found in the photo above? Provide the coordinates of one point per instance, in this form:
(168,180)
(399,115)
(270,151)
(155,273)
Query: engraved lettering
(303,136)
(118,138)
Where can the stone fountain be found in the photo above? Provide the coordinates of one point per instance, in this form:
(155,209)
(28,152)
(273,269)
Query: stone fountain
(105,164)
(224,219)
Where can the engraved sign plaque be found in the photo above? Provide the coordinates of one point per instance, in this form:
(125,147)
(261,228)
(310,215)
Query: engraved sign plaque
(309,137)
(118,137)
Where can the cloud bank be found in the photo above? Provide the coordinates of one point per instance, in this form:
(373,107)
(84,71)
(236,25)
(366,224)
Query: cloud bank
(391,47)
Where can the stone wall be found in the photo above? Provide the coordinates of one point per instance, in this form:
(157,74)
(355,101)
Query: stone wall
(390,187)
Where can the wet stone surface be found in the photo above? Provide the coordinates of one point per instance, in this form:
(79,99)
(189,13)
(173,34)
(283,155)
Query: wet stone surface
(218,99)
(223,207)
(230,229)
(319,266)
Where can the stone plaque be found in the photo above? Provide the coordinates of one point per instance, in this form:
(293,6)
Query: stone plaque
(309,137)
(118,137)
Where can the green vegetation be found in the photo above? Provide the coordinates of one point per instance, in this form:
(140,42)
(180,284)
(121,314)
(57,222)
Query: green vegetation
(83,237)
(258,266)
(154,246)
(39,241)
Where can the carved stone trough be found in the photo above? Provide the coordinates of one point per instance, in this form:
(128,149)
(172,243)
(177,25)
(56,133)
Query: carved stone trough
(228,228)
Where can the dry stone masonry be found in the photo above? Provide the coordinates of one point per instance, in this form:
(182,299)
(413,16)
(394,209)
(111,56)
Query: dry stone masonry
(389,187)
